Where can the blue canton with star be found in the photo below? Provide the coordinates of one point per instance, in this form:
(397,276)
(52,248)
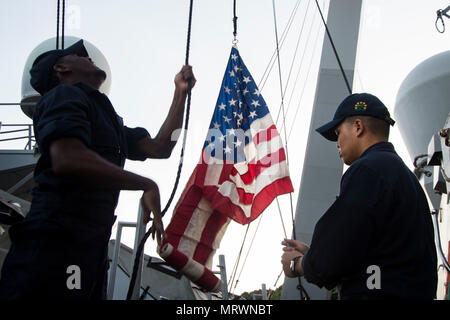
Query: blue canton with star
(238,105)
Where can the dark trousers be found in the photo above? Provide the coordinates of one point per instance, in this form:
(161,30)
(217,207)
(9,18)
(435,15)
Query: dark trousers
(49,260)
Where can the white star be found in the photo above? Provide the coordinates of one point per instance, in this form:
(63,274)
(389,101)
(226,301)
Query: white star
(255,103)
(227,90)
(231,73)
(257,92)
(231,132)
(227,149)
(234,57)
(236,68)
(237,143)
(245,91)
(211,145)
(226,119)
(247,79)
(222,106)
(252,114)
(221,138)
(240,116)
(232,102)
(216,125)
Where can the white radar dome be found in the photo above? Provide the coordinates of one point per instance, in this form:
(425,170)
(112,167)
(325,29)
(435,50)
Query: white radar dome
(423,103)
(30,96)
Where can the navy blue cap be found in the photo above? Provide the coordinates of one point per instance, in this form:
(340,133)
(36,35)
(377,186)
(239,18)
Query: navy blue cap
(42,76)
(357,104)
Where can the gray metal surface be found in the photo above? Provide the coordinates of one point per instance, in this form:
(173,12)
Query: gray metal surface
(163,281)
(12,159)
(5,241)
(16,172)
(422,106)
(161,284)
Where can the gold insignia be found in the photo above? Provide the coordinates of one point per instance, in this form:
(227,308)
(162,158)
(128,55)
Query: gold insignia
(361,106)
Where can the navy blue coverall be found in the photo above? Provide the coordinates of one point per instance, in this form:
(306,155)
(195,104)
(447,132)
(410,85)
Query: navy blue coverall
(69,223)
(381,218)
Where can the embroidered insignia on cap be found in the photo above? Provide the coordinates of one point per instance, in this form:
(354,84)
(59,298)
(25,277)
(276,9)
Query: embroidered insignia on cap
(360,106)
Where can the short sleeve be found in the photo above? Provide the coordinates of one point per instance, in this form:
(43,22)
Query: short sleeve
(62,113)
(133,136)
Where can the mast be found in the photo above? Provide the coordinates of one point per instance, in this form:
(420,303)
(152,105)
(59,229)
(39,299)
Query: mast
(322,169)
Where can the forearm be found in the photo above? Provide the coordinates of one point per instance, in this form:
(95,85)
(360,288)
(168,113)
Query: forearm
(161,146)
(174,119)
(84,164)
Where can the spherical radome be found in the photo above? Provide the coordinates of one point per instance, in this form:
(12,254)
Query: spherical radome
(423,103)
(31,96)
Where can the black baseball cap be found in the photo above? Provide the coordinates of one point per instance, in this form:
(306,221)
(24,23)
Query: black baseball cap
(42,76)
(357,104)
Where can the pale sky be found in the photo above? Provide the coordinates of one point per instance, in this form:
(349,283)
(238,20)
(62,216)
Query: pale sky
(145,42)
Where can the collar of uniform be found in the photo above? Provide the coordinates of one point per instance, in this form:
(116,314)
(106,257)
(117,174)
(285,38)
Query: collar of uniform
(85,87)
(380,146)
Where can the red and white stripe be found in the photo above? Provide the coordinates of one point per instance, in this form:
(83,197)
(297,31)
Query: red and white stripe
(218,192)
(243,190)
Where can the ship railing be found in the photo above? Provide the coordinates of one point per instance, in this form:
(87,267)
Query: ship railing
(139,235)
(25,132)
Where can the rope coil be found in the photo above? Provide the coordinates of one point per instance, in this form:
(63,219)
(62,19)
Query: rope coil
(439,17)
(439,14)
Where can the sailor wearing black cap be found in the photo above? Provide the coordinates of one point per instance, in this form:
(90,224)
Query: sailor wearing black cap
(83,145)
(376,240)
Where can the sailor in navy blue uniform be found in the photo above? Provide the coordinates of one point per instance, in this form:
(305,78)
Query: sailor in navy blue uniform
(83,145)
(376,241)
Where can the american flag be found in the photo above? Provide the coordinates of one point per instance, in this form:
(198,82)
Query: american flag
(241,171)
